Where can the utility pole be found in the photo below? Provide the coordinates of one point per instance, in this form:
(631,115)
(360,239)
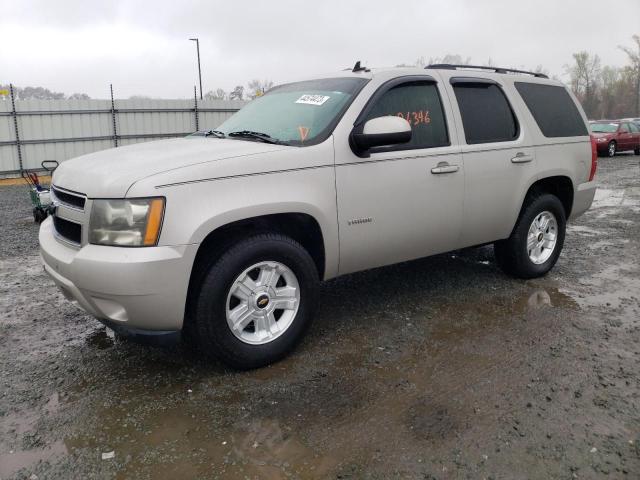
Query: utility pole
(199,70)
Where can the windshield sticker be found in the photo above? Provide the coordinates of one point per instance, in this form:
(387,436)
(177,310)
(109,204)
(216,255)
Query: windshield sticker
(313,99)
(304,132)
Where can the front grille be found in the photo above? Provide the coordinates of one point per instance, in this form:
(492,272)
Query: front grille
(74,200)
(70,231)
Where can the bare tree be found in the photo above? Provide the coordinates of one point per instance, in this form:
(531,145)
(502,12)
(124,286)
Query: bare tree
(217,94)
(585,76)
(542,70)
(79,96)
(451,58)
(237,93)
(257,88)
(634,56)
(610,77)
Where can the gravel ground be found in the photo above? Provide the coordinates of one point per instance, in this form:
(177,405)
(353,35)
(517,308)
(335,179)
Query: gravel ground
(438,368)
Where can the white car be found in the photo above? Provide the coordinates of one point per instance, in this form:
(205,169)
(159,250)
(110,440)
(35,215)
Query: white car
(223,236)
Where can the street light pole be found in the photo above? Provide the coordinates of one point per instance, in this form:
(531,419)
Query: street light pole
(199,70)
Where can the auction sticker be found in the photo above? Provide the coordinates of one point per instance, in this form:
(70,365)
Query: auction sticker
(313,99)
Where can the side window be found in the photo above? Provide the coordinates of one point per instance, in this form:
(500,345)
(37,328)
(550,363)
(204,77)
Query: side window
(419,104)
(553,109)
(624,128)
(634,128)
(486,113)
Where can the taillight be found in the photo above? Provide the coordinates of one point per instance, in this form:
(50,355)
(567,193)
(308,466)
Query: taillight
(594,158)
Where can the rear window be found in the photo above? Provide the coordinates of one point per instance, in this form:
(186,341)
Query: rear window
(553,110)
(486,114)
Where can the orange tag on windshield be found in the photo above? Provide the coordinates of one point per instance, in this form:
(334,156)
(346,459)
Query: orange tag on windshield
(304,133)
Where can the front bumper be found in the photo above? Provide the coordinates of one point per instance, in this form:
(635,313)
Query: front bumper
(129,289)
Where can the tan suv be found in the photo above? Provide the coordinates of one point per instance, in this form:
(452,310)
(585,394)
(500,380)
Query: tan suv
(224,235)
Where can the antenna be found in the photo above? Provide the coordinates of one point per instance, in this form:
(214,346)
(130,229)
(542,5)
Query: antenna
(358,68)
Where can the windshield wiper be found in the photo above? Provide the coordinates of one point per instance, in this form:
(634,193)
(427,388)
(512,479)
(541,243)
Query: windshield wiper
(215,133)
(263,137)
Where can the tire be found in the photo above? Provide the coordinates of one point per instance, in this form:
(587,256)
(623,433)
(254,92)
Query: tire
(513,255)
(255,344)
(611,149)
(636,151)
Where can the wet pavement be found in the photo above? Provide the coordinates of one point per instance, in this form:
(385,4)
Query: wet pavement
(438,368)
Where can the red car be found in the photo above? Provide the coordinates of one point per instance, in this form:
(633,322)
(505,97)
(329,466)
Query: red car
(615,136)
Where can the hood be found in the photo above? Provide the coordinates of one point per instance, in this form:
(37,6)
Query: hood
(110,173)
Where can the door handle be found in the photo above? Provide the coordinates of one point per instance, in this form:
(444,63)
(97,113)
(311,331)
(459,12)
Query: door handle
(444,167)
(522,158)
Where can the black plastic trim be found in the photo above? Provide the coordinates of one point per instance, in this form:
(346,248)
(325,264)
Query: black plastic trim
(397,138)
(157,338)
(68,230)
(69,199)
(472,81)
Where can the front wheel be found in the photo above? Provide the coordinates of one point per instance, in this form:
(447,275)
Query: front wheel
(255,302)
(611,149)
(537,239)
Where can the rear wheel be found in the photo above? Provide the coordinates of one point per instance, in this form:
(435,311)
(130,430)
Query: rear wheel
(537,239)
(637,150)
(255,302)
(611,149)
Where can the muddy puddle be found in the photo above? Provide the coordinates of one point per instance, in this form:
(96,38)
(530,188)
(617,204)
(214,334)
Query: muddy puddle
(411,377)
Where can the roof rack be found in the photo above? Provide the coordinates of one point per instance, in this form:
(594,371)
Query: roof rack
(449,66)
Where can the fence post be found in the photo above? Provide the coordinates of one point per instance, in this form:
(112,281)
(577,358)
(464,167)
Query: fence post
(113,117)
(15,126)
(195,106)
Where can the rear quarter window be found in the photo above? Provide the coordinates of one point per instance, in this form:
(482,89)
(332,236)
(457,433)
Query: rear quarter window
(553,110)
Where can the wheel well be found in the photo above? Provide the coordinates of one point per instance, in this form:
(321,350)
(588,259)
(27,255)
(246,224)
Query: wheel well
(560,186)
(301,227)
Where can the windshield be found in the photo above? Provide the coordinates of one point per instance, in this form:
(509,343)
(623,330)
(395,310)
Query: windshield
(301,114)
(604,127)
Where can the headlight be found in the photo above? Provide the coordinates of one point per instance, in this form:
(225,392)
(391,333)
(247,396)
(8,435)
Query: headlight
(601,139)
(126,223)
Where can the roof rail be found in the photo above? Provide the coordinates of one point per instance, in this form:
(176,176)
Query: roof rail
(449,66)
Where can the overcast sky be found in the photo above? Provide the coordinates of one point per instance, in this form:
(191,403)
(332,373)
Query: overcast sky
(142,47)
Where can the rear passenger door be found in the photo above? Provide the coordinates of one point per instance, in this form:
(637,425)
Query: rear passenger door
(499,158)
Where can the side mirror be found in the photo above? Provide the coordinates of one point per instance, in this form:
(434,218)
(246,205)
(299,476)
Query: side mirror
(382,131)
